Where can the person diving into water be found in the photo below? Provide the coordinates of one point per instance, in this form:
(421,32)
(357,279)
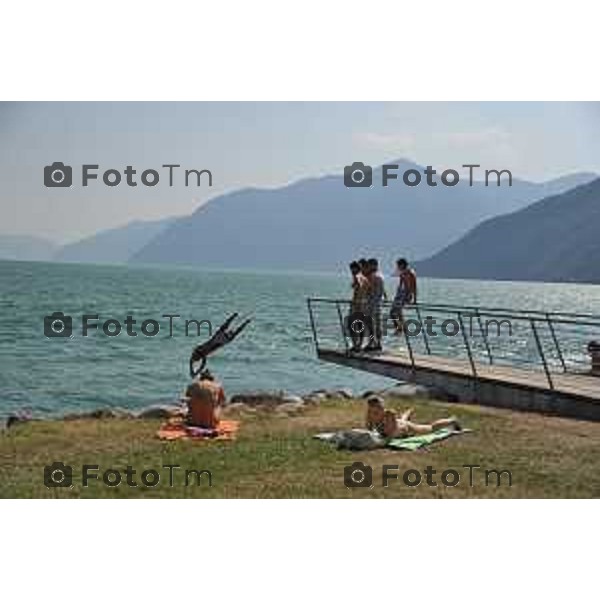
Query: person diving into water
(222,337)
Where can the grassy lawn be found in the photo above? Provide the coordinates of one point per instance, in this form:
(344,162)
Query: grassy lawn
(275,457)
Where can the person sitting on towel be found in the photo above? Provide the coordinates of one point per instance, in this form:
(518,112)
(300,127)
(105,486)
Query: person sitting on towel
(205,396)
(394,427)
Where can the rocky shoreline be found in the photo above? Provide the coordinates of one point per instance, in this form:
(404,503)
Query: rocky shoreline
(278,401)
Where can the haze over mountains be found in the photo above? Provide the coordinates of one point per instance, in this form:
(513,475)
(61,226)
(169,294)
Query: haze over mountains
(26,247)
(313,224)
(555,239)
(113,245)
(320,224)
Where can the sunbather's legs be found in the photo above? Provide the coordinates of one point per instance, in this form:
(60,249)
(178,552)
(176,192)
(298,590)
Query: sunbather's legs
(422,428)
(441,423)
(418,428)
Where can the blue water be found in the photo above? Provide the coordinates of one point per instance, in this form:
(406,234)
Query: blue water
(55,375)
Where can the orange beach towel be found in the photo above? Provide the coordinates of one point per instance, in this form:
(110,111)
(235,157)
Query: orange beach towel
(176,429)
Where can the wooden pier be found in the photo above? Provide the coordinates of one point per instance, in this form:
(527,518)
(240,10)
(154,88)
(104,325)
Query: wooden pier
(557,380)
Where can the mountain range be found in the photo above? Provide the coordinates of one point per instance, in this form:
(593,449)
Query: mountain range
(27,247)
(555,239)
(320,224)
(113,245)
(311,224)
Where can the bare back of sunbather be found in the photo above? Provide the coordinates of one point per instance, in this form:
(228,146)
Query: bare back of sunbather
(205,400)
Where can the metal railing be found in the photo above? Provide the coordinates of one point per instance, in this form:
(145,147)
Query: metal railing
(553,342)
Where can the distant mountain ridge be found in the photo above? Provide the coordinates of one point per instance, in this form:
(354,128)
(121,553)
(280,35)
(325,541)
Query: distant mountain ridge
(320,224)
(26,247)
(556,239)
(310,224)
(113,246)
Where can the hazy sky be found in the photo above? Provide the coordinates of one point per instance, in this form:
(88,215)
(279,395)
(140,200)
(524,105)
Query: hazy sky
(261,144)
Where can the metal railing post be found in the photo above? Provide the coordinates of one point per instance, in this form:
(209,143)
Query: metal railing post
(339,311)
(408,345)
(312,325)
(555,339)
(484,336)
(467,346)
(542,355)
(425,339)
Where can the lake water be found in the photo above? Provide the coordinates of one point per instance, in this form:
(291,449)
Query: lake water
(56,375)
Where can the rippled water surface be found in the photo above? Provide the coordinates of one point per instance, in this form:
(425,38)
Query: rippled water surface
(275,352)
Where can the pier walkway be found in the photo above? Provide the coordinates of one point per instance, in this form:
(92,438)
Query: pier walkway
(518,359)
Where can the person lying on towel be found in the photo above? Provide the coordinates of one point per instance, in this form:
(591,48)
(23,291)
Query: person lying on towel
(386,422)
(205,397)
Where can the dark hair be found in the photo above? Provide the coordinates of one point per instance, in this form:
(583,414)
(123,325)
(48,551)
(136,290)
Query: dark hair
(373,262)
(375,401)
(206,374)
(362,262)
(402,263)
(354,266)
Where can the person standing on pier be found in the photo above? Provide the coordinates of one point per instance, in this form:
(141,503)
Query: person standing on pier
(406,292)
(375,299)
(360,289)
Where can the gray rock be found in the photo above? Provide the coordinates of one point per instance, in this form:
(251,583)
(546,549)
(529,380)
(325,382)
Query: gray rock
(266,399)
(292,399)
(233,406)
(101,413)
(72,416)
(122,413)
(346,393)
(237,408)
(314,398)
(406,390)
(13,420)
(290,407)
(160,411)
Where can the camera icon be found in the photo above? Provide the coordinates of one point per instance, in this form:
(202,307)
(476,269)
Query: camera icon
(58,475)
(357,323)
(58,325)
(358,475)
(58,175)
(358,175)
